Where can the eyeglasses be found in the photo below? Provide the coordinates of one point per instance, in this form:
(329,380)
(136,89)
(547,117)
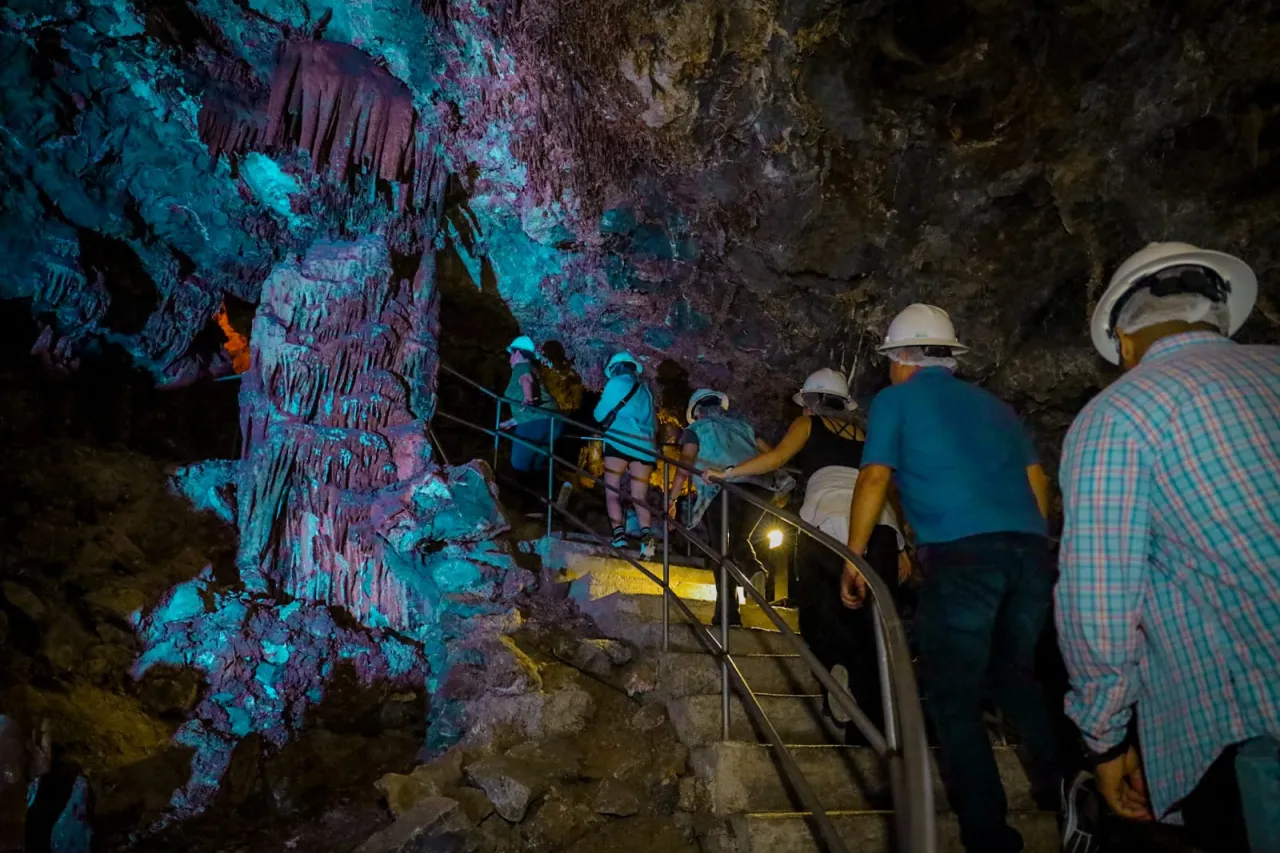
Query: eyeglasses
(1187,278)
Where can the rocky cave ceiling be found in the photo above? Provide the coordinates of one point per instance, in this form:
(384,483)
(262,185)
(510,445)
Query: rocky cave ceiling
(750,189)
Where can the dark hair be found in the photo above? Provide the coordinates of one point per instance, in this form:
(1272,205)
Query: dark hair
(628,366)
(937,352)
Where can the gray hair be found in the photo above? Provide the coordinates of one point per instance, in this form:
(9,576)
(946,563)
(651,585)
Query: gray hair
(1145,309)
(918,357)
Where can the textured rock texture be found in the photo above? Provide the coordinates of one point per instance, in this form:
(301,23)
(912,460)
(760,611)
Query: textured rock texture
(748,189)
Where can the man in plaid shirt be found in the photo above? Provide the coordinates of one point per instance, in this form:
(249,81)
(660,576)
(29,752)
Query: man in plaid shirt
(1168,606)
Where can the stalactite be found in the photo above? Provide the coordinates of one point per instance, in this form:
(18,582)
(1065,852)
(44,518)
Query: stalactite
(346,110)
(227,125)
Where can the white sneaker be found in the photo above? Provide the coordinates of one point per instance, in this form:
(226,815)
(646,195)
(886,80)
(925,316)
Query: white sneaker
(837,711)
(1080,814)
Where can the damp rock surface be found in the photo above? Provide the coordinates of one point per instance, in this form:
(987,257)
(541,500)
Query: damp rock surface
(746,192)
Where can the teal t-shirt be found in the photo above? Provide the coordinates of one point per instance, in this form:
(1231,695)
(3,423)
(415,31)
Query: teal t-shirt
(959,455)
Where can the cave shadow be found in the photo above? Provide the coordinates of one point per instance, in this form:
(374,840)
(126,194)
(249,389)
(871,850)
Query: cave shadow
(475,328)
(269,795)
(108,402)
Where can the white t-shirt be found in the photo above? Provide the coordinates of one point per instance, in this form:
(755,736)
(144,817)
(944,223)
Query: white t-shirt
(827,496)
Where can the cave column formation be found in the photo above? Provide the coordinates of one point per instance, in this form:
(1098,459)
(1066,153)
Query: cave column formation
(334,413)
(335,405)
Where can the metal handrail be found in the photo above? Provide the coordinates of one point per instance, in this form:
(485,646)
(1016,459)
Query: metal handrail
(904,744)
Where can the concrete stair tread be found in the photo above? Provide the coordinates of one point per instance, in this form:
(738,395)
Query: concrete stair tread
(648,607)
(602,576)
(684,637)
(870,831)
(797,718)
(746,777)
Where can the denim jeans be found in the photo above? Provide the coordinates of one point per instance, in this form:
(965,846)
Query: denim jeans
(541,432)
(1258,774)
(983,604)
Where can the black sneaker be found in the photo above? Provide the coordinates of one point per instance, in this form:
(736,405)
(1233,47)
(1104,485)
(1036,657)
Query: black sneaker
(735,618)
(1081,814)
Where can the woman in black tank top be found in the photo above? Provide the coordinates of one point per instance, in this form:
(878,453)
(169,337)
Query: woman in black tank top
(842,639)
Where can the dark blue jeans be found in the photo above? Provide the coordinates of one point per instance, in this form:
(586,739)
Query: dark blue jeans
(542,432)
(1258,774)
(983,604)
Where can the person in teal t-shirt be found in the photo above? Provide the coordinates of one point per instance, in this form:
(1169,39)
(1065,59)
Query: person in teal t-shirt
(527,420)
(626,413)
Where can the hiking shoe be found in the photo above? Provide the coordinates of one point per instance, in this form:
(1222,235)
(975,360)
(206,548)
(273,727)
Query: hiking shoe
(834,709)
(648,546)
(619,539)
(1081,814)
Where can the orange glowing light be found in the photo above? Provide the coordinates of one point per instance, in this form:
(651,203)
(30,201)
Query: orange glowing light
(237,345)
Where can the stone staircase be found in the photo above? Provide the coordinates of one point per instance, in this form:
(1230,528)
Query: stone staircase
(741,780)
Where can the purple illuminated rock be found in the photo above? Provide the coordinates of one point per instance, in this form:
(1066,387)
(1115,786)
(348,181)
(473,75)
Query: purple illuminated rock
(265,664)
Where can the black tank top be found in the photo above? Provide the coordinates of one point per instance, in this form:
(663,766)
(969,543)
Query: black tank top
(825,448)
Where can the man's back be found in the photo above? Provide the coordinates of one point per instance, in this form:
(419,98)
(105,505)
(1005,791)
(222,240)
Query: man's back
(1172,486)
(960,457)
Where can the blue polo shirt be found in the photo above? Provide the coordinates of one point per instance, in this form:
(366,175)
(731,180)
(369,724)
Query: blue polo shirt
(959,456)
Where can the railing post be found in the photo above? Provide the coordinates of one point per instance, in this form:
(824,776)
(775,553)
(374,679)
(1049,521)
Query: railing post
(666,558)
(497,435)
(902,818)
(551,478)
(722,594)
(886,684)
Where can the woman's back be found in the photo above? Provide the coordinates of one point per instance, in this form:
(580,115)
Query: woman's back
(634,422)
(825,447)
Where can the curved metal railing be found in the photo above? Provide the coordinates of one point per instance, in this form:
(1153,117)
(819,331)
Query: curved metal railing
(903,743)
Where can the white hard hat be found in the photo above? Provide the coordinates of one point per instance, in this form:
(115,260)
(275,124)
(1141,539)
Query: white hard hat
(922,326)
(623,357)
(826,381)
(704,394)
(1241,282)
(524,343)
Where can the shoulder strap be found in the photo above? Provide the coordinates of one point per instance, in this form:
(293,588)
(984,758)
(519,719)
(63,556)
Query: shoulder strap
(537,385)
(608,419)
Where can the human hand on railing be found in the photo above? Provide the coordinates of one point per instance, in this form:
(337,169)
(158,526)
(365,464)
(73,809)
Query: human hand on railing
(507,424)
(713,475)
(672,506)
(853,587)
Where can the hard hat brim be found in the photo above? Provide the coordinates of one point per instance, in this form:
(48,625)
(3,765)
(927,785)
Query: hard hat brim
(850,404)
(952,344)
(699,397)
(1240,302)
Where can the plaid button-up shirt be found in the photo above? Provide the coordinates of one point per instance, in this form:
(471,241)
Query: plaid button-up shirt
(1170,591)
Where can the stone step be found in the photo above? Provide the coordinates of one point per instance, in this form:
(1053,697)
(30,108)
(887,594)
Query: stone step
(871,831)
(693,673)
(648,608)
(747,777)
(797,719)
(684,637)
(598,576)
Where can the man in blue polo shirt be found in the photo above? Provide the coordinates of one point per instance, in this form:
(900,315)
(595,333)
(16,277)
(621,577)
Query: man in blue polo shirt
(974,492)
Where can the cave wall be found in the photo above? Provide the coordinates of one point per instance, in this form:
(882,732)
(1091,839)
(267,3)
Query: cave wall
(740,191)
(748,188)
